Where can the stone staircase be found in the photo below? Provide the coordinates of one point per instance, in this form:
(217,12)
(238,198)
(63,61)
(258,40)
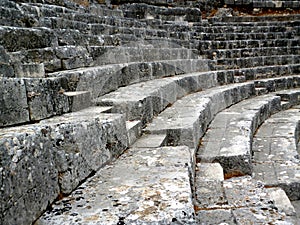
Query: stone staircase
(146,114)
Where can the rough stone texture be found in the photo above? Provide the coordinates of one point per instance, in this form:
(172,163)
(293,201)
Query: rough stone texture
(150,141)
(134,130)
(79,100)
(41,161)
(6,70)
(144,100)
(144,11)
(46,98)
(104,79)
(244,201)
(30,70)
(234,129)
(13,101)
(276,157)
(28,38)
(187,119)
(126,192)
(29,177)
(85,141)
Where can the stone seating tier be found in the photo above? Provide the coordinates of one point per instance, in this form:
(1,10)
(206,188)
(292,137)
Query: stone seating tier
(72,57)
(273,4)
(42,161)
(251,52)
(275,154)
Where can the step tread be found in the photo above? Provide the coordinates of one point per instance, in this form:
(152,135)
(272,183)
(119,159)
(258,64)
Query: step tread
(128,191)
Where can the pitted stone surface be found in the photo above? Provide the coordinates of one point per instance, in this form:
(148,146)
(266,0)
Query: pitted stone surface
(276,157)
(245,201)
(13,102)
(229,137)
(187,120)
(146,99)
(54,156)
(117,75)
(144,186)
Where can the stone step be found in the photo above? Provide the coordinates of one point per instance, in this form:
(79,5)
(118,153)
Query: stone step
(275,153)
(78,100)
(186,121)
(253,19)
(35,62)
(246,62)
(240,22)
(134,130)
(40,162)
(242,200)
(118,75)
(278,83)
(229,136)
(146,11)
(94,13)
(151,141)
(234,44)
(144,186)
(144,100)
(252,52)
(245,29)
(287,73)
(244,36)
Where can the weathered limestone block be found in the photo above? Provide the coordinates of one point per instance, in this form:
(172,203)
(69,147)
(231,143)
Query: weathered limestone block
(275,154)
(186,121)
(14,108)
(6,69)
(229,139)
(78,100)
(46,98)
(30,70)
(41,161)
(144,186)
(29,178)
(83,142)
(15,39)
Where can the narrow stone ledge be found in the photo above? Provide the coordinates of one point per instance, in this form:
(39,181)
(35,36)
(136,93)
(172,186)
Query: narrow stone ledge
(144,186)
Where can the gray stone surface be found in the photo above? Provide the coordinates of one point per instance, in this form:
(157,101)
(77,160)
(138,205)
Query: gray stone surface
(78,100)
(188,118)
(244,201)
(276,157)
(144,186)
(29,177)
(134,130)
(46,98)
(144,100)
(104,79)
(6,70)
(40,162)
(13,102)
(151,141)
(229,136)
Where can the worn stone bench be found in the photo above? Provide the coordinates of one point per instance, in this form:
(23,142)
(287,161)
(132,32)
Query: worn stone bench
(253,52)
(240,199)
(72,57)
(43,161)
(233,44)
(275,153)
(144,186)
(255,61)
(229,136)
